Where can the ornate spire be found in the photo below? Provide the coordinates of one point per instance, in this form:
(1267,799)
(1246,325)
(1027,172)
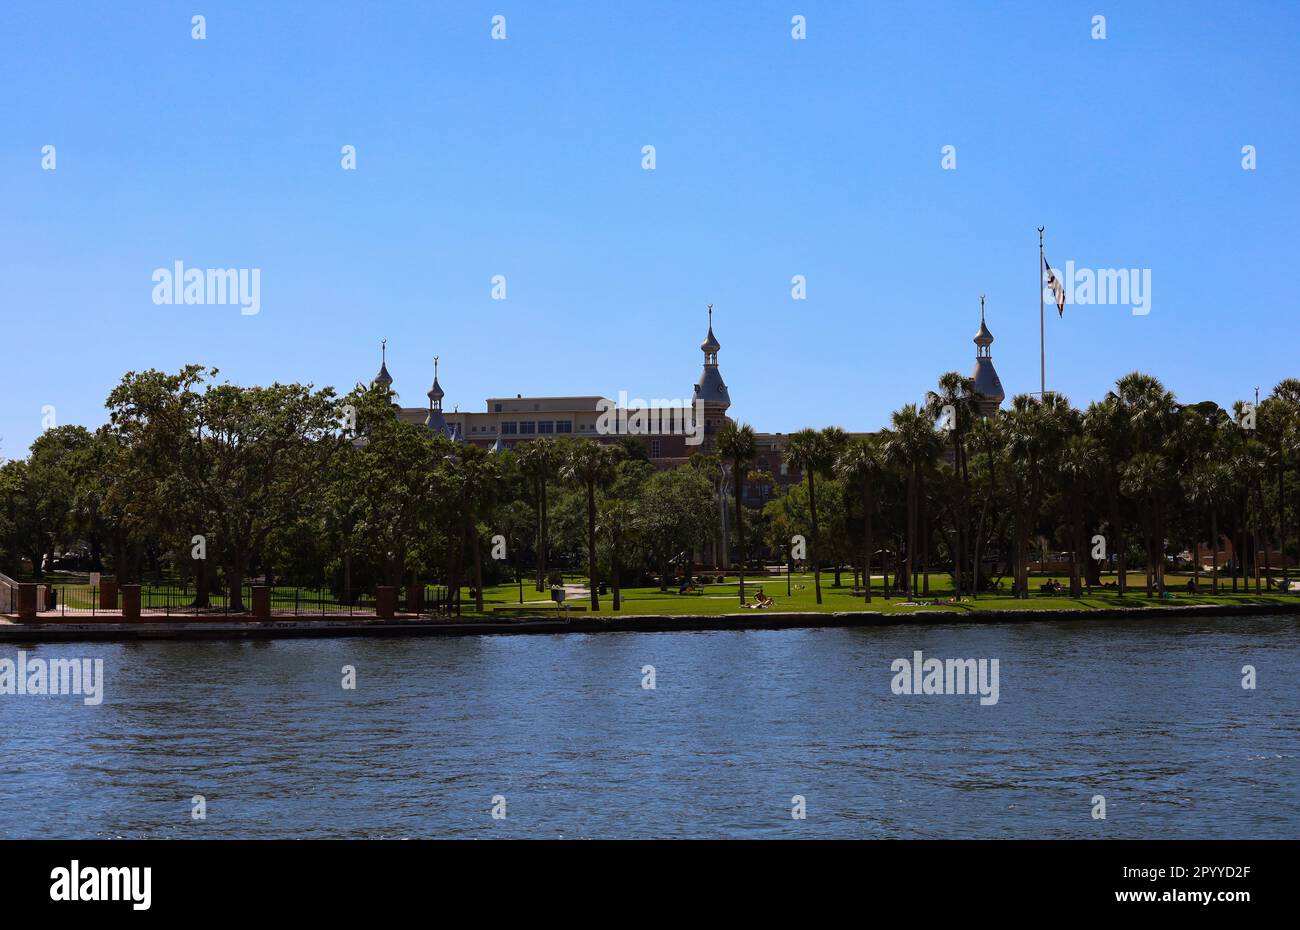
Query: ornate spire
(435,393)
(710,345)
(983,338)
(711,389)
(988,386)
(435,420)
(383,378)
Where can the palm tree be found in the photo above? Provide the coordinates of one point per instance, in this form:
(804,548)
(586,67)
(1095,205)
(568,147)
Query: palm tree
(861,461)
(477,475)
(1080,460)
(1286,394)
(956,394)
(735,443)
(911,444)
(615,520)
(590,466)
(1143,479)
(1201,490)
(811,451)
(538,458)
(1107,424)
(806,452)
(1133,418)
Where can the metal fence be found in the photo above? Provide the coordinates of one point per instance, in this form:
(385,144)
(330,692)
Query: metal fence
(72,600)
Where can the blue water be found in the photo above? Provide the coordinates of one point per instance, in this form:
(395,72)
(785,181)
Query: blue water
(1150,714)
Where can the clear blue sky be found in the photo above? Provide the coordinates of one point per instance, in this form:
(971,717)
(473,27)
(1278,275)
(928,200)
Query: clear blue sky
(522,158)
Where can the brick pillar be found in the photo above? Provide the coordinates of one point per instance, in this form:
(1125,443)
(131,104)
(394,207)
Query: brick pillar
(261,602)
(27,606)
(130,602)
(414,598)
(385,601)
(108,594)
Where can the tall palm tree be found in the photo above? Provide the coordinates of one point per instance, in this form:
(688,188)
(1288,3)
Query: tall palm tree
(477,476)
(615,522)
(806,451)
(912,444)
(1135,417)
(1199,487)
(1107,424)
(1286,394)
(1080,461)
(956,394)
(1143,479)
(735,443)
(539,458)
(862,461)
(590,466)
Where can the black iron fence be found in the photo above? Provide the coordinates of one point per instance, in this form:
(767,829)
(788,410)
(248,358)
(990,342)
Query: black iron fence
(69,599)
(441,602)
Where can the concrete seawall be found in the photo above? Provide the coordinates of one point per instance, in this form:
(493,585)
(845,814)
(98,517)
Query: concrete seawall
(301,627)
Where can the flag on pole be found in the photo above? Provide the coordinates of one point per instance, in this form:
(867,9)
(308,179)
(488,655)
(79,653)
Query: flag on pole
(1057,290)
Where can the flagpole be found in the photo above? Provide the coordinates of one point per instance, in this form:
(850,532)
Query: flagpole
(1042,340)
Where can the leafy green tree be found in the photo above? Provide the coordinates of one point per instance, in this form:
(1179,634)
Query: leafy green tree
(676,516)
(249,458)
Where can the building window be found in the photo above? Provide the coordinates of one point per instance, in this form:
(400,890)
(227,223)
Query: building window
(656,449)
(545,426)
(509,429)
(498,408)
(528,427)
(564,426)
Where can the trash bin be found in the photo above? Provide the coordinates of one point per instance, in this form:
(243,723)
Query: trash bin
(602,588)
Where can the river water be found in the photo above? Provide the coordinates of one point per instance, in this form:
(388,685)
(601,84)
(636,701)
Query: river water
(1148,714)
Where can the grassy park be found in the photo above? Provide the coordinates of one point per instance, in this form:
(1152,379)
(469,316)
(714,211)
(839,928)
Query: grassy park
(723,598)
(1143,477)
(718,598)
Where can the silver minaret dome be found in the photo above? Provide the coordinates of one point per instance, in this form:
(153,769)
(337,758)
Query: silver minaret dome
(711,388)
(988,386)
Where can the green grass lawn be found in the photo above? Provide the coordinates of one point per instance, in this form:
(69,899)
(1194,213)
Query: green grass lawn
(723,598)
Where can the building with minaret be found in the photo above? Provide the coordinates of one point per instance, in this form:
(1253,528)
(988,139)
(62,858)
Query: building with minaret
(434,419)
(506,422)
(988,386)
(711,390)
